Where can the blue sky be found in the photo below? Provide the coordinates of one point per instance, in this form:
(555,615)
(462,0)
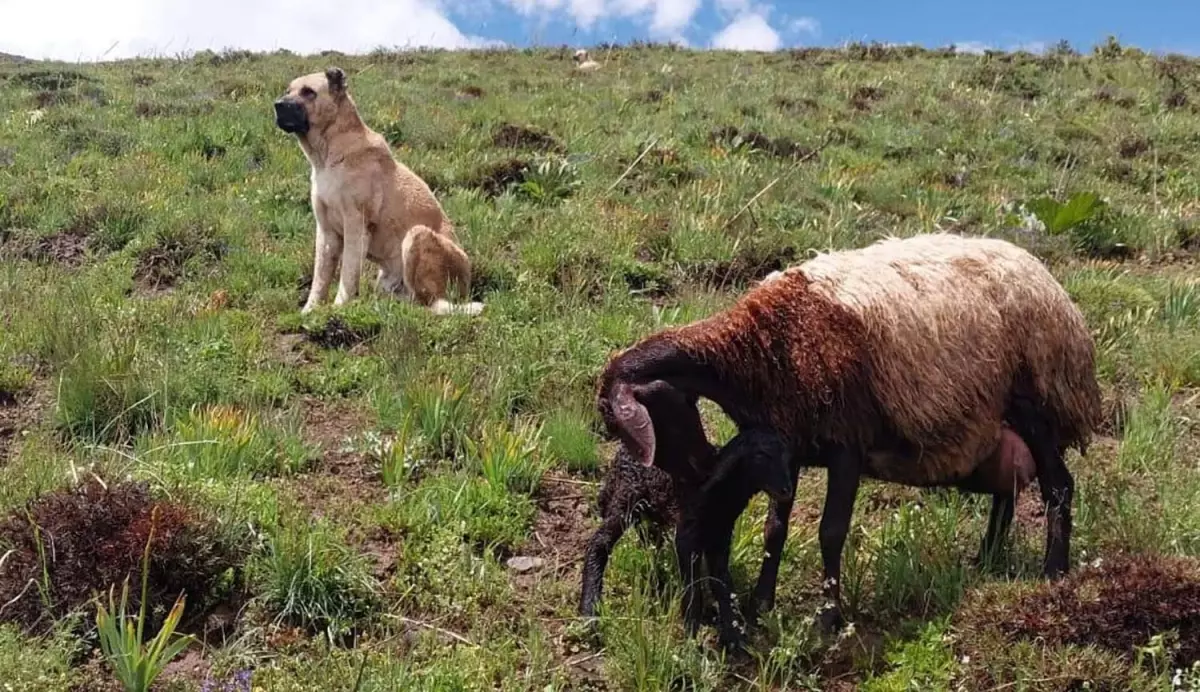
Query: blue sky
(1162,25)
(89,30)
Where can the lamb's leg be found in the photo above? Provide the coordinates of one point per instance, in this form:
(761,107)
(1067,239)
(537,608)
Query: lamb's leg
(596,559)
(999,521)
(775,533)
(840,494)
(716,557)
(688,544)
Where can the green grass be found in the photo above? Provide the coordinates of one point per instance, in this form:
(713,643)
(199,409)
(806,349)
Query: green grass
(383,464)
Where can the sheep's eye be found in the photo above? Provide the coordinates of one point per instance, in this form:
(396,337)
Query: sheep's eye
(307,93)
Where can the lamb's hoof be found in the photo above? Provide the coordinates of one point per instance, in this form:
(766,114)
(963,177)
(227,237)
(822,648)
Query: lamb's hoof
(828,621)
(733,643)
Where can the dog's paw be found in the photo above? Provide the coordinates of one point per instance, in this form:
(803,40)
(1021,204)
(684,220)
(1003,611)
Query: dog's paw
(445,307)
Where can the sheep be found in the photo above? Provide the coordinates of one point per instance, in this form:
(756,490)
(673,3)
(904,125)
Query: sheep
(703,502)
(938,360)
(584,63)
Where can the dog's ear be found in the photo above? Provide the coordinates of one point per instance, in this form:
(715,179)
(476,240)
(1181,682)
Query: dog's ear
(337,80)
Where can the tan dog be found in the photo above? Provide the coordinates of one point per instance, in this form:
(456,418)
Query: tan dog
(368,204)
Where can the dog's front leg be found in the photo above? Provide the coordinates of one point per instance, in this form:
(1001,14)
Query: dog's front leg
(354,250)
(328,245)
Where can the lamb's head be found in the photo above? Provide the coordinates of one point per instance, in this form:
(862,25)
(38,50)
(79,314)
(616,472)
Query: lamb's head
(580,55)
(657,423)
(761,458)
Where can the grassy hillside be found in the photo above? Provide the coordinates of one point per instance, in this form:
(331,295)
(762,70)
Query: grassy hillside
(340,494)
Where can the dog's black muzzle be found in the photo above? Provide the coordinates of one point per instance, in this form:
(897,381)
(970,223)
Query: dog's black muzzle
(290,116)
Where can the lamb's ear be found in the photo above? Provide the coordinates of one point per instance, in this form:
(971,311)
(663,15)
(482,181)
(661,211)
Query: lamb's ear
(633,423)
(337,80)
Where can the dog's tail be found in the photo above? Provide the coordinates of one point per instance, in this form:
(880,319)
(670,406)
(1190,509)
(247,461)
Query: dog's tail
(441,306)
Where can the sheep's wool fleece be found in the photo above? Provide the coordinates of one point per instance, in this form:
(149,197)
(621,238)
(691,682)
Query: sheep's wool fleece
(950,320)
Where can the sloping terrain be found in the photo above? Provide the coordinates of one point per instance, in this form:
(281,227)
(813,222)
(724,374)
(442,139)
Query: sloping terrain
(370,474)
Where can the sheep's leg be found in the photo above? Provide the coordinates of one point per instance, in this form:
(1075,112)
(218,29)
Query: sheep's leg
(999,521)
(596,559)
(775,533)
(1058,490)
(688,543)
(841,491)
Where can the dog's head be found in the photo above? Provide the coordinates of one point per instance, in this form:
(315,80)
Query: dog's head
(311,101)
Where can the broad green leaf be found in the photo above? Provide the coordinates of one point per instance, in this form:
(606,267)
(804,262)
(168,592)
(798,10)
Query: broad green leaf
(1080,208)
(1045,209)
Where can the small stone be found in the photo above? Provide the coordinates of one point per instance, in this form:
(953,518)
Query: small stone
(523,563)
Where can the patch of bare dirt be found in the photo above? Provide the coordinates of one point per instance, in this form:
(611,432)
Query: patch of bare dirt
(862,98)
(1133,146)
(470,92)
(190,666)
(66,248)
(795,106)
(1117,97)
(19,411)
(161,266)
(750,264)
(780,147)
(512,136)
(658,166)
(289,350)
(494,178)
(97,675)
(343,478)
(1117,604)
(651,96)
(562,528)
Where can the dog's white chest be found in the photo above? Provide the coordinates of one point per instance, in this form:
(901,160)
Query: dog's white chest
(324,182)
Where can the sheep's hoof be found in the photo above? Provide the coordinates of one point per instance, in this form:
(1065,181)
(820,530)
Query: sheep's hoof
(828,621)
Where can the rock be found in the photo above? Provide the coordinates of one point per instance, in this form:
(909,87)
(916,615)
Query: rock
(523,563)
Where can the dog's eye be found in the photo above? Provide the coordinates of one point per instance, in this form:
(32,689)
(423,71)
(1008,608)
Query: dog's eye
(307,92)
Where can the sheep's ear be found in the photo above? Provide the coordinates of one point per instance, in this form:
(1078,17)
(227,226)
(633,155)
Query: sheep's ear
(633,424)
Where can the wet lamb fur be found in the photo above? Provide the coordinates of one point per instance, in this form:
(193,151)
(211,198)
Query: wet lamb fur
(903,361)
(646,496)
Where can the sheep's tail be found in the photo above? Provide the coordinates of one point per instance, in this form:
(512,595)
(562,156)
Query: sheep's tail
(441,306)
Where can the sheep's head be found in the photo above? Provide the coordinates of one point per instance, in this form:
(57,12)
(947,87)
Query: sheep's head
(656,416)
(580,55)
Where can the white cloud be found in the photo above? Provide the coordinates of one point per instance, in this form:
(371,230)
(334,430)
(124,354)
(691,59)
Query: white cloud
(667,17)
(748,32)
(805,25)
(972,47)
(979,47)
(82,30)
(1035,47)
